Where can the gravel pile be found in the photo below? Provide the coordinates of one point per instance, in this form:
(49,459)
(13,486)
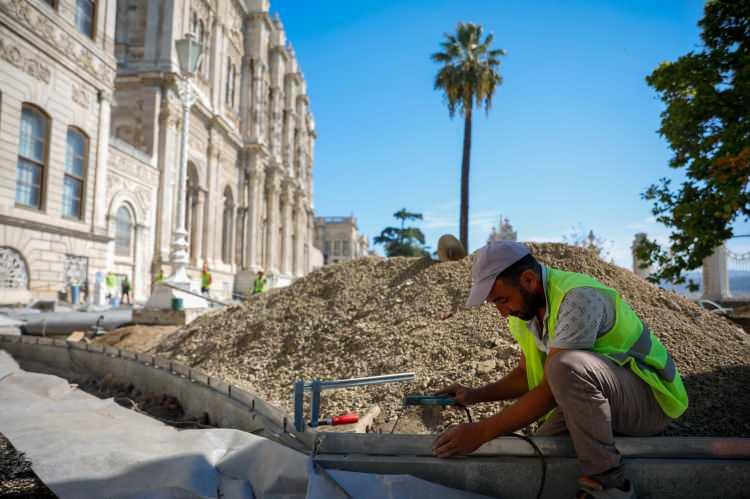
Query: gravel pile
(374,316)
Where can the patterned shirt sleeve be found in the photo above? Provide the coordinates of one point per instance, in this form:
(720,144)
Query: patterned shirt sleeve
(584,315)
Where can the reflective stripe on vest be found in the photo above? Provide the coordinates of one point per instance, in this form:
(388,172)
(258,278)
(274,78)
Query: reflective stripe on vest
(640,350)
(629,343)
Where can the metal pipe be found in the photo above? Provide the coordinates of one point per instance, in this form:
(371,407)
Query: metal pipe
(369,380)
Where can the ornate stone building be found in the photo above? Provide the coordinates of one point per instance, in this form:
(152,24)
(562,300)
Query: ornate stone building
(89,144)
(339,239)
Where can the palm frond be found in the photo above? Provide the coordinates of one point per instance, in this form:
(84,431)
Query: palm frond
(469,73)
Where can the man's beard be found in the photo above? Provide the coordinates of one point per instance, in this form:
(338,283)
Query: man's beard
(531,305)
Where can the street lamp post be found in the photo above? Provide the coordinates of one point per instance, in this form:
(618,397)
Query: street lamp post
(189,53)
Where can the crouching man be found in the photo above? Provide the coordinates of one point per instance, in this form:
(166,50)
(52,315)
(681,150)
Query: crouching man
(589,367)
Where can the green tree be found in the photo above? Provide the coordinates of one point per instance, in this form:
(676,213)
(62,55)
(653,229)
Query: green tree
(468,78)
(403,241)
(707,124)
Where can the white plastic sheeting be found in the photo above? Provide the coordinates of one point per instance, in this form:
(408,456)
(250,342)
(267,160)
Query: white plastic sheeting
(82,446)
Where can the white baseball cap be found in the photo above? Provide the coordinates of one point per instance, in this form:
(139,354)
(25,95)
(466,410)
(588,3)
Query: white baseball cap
(489,262)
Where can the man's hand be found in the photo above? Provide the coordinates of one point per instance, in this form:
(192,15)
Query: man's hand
(463,394)
(459,440)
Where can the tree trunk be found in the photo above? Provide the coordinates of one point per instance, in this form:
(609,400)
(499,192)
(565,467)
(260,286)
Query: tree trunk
(464,223)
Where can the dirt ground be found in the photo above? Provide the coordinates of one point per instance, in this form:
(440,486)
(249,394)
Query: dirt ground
(17,479)
(140,339)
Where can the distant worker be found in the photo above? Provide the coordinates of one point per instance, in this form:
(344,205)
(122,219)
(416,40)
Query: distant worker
(589,367)
(159,278)
(125,290)
(206,280)
(259,286)
(110,281)
(85,291)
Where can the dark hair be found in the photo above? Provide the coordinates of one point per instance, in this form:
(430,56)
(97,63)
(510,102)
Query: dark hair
(513,273)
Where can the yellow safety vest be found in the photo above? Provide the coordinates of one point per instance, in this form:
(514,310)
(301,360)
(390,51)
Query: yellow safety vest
(629,343)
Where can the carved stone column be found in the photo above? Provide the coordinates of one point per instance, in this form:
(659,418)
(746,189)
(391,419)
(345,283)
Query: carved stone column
(239,250)
(254,195)
(214,71)
(274,138)
(300,226)
(286,214)
(169,122)
(272,210)
(716,276)
(196,231)
(255,102)
(102,162)
(210,230)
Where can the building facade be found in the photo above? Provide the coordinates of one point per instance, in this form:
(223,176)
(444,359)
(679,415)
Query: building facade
(503,232)
(338,238)
(90,121)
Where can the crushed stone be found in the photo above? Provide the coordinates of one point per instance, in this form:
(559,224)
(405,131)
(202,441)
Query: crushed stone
(374,316)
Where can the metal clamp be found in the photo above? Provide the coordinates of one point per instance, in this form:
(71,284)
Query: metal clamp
(317,386)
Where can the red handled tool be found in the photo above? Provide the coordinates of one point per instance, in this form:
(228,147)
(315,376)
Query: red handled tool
(349,418)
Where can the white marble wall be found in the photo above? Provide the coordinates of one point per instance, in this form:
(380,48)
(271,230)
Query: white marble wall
(250,138)
(68,76)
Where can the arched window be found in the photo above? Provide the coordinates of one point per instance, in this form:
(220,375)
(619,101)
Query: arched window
(76,154)
(85,17)
(33,145)
(123,232)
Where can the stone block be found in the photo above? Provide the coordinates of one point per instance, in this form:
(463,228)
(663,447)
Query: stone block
(199,376)
(244,397)
(181,369)
(76,336)
(79,345)
(112,351)
(93,347)
(218,385)
(145,358)
(127,354)
(165,317)
(165,364)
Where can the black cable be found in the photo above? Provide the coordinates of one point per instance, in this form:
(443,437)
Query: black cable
(537,450)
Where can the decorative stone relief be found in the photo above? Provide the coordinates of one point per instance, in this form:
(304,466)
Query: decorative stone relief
(80,96)
(30,65)
(22,11)
(13,271)
(203,8)
(76,269)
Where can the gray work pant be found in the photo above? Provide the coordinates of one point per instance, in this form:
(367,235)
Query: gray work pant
(596,398)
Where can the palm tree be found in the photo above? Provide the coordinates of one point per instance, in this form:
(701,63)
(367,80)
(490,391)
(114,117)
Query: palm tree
(468,78)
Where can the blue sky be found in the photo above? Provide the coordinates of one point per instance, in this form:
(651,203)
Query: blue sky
(570,141)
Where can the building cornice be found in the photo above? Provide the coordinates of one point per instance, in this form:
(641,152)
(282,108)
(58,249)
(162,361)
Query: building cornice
(52,229)
(263,16)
